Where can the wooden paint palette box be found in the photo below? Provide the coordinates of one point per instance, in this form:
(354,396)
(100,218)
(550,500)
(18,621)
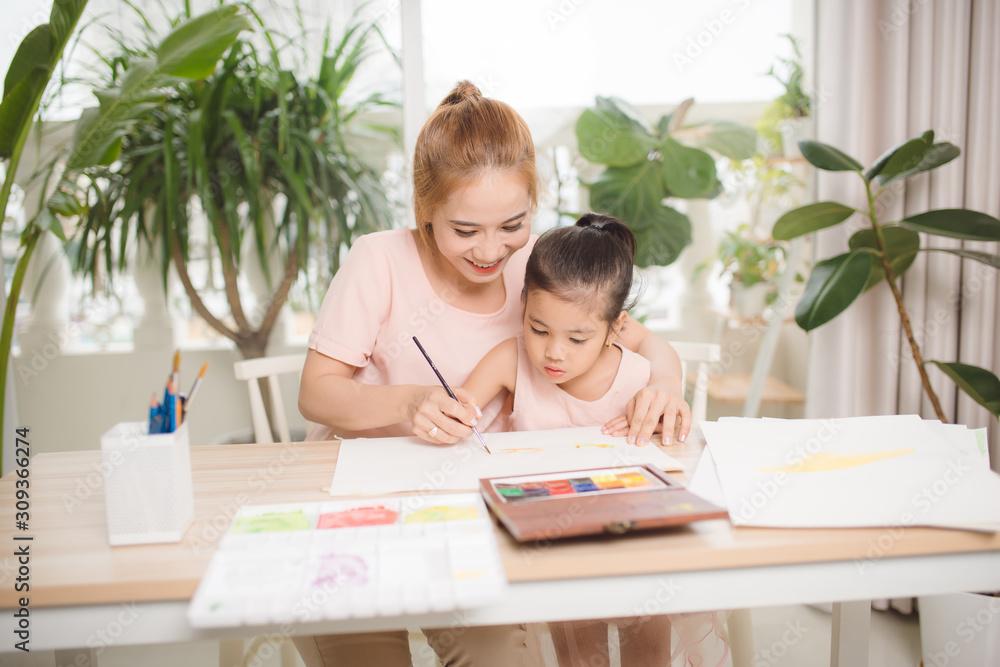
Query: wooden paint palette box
(590,502)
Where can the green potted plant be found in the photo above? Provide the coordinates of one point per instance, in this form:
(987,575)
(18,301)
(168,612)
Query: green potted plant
(752,265)
(788,118)
(268,156)
(646,165)
(750,259)
(883,251)
(190,51)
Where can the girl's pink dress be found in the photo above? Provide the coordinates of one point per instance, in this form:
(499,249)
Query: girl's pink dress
(539,404)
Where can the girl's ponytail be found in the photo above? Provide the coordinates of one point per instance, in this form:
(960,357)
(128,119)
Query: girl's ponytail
(612,226)
(588,263)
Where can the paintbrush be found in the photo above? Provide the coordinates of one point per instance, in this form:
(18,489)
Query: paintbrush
(194,387)
(448,389)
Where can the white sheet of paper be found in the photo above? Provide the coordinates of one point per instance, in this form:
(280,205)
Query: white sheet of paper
(705,480)
(964,439)
(864,471)
(373,466)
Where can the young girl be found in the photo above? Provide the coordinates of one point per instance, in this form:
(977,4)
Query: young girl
(567,369)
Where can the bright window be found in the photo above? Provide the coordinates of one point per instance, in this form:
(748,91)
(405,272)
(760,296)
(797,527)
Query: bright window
(561,53)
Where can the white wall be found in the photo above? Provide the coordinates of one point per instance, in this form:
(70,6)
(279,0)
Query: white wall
(69,400)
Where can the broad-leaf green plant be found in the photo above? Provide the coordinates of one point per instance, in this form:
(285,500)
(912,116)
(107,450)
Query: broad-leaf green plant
(883,251)
(646,164)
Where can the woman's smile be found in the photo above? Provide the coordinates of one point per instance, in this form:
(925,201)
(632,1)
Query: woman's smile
(480,226)
(484,269)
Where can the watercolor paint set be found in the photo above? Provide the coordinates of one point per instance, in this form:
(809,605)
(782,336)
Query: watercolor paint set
(590,502)
(602,481)
(351,558)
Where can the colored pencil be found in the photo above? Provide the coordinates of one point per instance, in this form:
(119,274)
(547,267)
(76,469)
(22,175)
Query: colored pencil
(154,416)
(177,371)
(171,406)
(165,405)
(178,410)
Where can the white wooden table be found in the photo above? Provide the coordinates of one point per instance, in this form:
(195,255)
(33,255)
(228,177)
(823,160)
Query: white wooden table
(85,595)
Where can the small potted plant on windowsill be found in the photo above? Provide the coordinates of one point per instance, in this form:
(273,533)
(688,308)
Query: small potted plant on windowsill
(752,261)
(788,118)
(753,266)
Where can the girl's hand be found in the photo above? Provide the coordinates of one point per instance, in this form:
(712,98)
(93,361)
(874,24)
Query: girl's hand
(653,409)
(616,427)
(439,419)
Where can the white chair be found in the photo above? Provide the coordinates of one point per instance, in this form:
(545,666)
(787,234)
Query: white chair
(698,357)
(232,652)
(270,368)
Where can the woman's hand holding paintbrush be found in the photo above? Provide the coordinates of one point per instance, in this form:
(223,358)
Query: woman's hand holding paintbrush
(434,432)
(440,419)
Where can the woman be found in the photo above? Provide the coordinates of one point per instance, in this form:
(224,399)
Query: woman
(455,282)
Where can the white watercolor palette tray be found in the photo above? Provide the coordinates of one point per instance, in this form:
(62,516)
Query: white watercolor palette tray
(351,558)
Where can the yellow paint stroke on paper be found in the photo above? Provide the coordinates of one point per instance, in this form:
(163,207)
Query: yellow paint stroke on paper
(532,450)
(825,461)
(596,444)
(443,513)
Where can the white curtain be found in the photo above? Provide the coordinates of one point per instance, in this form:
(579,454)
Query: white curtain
(888,70)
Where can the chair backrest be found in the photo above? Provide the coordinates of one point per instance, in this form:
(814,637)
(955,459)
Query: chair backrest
(698,356)
(270,368)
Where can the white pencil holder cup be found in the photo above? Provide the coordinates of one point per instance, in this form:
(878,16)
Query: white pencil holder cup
(147,484)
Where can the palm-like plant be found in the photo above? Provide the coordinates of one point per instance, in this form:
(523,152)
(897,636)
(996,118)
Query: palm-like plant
(189,52)
(265,155)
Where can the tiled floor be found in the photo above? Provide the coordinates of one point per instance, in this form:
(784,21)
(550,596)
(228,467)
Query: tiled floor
(895,642)
(895,639)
